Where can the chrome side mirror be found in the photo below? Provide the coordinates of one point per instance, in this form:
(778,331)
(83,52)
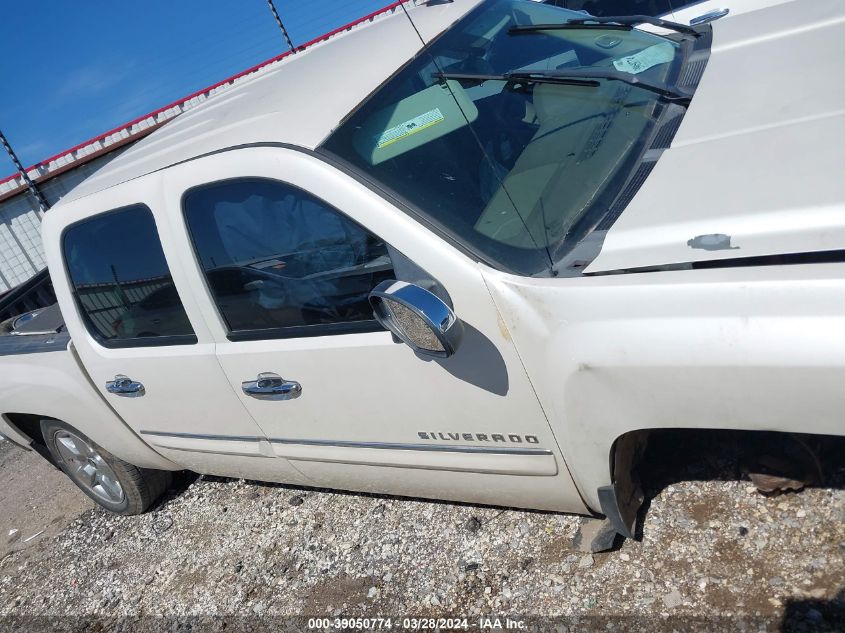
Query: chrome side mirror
(419,318)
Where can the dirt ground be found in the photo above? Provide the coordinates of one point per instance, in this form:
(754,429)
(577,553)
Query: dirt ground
(229,555)
(37,501)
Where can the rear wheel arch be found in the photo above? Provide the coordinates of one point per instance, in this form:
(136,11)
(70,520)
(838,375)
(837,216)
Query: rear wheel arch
(28,425)
(112,483)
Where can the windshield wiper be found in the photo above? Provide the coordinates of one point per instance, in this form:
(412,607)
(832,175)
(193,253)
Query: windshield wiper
(521,77)
(575,77)
(617,23)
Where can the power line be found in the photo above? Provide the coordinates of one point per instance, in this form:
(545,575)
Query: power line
(202,64)
(281,26)
(33,189)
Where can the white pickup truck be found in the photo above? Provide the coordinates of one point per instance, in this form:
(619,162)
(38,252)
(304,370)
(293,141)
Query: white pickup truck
(472,251)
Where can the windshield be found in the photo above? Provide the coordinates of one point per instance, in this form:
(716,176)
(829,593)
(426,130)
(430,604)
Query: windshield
(509,165)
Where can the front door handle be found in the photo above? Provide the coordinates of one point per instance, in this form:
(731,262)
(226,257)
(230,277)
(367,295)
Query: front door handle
(125,386)
(709,17)
(270,386)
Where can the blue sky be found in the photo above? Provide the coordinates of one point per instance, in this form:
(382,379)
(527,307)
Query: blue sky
(72,70)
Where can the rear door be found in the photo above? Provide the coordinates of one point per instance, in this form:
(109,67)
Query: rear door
(140,336)
(289,248)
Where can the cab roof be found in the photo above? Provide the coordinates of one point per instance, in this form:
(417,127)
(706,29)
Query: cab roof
(299,102)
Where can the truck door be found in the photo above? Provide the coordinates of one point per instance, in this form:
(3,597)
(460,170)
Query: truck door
(130,324)
(288,249)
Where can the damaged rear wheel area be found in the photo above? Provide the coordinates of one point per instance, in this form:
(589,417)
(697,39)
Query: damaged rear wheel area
(644,462)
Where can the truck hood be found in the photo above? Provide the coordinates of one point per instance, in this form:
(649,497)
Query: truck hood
(756,166)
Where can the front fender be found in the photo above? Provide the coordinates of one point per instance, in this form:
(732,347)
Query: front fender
(742,348)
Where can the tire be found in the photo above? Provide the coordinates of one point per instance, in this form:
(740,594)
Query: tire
(112,483)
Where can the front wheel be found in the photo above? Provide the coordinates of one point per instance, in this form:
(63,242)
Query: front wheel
(114,484)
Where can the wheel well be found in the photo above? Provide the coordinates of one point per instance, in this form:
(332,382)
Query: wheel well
(648,460)
(29,424)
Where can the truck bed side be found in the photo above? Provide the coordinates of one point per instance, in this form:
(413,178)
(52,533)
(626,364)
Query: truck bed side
(42,376)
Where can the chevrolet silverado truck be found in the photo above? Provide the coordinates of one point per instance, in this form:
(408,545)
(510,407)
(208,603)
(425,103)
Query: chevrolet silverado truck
(472,251)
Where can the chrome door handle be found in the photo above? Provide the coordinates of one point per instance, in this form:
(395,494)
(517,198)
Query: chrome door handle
(125,386)
(709,17)
(270,386)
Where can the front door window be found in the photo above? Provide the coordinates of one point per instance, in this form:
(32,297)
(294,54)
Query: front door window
(280,262)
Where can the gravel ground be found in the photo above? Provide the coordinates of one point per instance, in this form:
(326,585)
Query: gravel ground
(714,554)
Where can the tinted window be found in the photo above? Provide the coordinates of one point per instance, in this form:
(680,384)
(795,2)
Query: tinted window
(121,281)
(276,257)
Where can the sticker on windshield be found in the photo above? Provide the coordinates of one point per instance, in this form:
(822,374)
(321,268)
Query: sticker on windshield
(645,59)
(412,126)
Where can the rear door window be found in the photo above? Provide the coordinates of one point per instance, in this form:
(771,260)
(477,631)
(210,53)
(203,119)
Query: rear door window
(121,281)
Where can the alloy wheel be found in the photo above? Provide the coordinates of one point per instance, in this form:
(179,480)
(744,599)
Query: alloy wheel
(88,468)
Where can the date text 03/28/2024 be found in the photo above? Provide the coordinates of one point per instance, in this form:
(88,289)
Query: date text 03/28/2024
(415,624)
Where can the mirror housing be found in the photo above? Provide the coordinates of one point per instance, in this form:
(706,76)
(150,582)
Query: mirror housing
(419,318)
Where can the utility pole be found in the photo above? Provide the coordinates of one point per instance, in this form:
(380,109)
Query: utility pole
(33,188)
(281,26)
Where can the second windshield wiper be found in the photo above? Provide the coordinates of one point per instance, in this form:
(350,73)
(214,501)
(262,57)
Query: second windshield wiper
(575,77)
(626,23)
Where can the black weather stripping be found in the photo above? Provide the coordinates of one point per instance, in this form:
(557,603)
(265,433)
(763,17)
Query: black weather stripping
(789,259)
